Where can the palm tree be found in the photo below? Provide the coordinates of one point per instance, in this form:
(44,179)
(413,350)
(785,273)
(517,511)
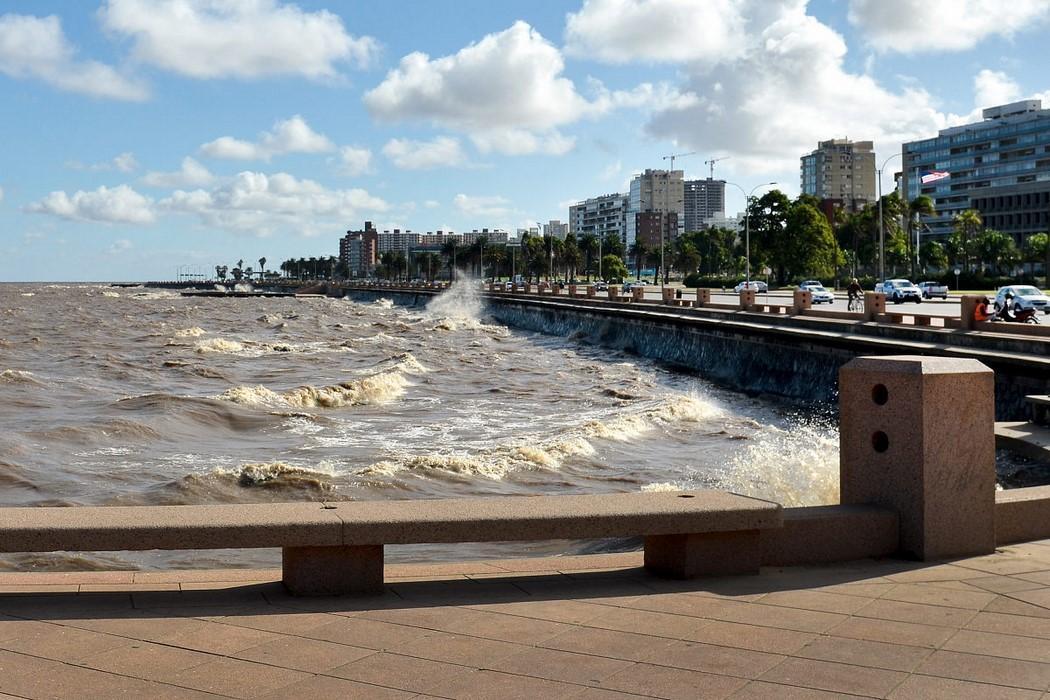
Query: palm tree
(262,267)
(449,249)
(916,208)
(589,246)
(639,252)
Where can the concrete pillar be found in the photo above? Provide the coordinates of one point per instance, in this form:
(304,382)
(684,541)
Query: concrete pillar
(966,309)
(708,554)
(528,288)
(667,295)
(572,290)
(874,305)
(638,294)
(916,434)
(590,290)
(801,300)
(703,296)
(317,571)
(747,299)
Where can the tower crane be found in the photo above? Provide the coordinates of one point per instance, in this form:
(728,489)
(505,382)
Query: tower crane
(711,163)
(678,155)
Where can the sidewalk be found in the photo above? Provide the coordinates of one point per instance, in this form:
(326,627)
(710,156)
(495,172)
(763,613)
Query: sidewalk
(592,628)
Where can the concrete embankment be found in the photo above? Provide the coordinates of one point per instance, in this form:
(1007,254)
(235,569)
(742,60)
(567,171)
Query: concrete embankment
(795,357)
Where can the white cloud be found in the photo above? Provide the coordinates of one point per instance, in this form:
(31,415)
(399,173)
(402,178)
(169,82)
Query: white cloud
(125,163)
(236,38)
(621,31)
(120,204)
(354,161)
(120,245)
(36,47)
(612,171)
(994,88)
(918,26)
(487,207)
(497,90)
(288,136)
(442,152)
(263,204)
(429,204)
(190,174)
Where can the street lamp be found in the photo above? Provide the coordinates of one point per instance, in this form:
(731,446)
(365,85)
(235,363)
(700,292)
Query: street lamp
(882,231)
(747,227)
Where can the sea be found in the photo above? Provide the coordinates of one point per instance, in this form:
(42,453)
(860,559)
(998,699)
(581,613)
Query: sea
(139,396)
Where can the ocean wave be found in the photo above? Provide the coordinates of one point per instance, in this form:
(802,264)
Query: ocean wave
(626,426)
(660,487)
(383,303)
(150,296)
(194,332)
(220,345)
(19,376)
(376,389)
(113,295)
(201,411)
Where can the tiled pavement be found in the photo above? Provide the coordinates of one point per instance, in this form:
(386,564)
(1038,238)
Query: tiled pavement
(591,628)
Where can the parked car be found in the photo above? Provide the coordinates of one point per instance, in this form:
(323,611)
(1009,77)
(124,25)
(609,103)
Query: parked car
(933,289)
(820,294)
(899,291)
(1024,296)
(758,285)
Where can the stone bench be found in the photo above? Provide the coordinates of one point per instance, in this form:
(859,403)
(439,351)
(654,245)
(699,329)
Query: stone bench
(1039,403)
(337,548)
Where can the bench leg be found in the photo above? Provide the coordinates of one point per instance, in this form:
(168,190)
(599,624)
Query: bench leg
(316,571)
(707,554)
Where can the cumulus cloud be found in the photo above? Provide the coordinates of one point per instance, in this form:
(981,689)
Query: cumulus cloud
(918,26)
(490,207)
(120,205)
(121,245)
(288,136)
(429,204)
(354,161)
(125,163)
(190,174)
(236,38)
(36,47)
(994,88)
(621,31)
(263,204)
(441,152)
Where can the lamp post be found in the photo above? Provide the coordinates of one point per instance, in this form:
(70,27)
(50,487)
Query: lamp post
(747,227)
(882,231)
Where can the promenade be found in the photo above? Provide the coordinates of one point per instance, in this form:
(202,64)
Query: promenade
(593,628)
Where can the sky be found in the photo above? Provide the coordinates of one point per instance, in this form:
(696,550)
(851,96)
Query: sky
(144,138)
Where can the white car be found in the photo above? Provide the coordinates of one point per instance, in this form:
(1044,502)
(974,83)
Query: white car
(899,291)
(820,294)
(758,285)
(1023,296)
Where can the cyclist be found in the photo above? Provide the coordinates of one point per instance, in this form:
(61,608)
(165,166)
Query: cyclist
(855,293)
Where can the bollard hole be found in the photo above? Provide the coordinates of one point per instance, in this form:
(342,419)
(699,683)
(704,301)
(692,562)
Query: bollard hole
(880,394)
(686,495)
(880,441)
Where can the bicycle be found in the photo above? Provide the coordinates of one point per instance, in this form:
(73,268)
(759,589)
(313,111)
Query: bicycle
(855,304)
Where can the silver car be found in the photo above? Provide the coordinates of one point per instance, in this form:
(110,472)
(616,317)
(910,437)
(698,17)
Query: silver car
(1022,296)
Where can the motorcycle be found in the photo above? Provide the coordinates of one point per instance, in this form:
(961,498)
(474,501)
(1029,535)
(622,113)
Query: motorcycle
(1018,316)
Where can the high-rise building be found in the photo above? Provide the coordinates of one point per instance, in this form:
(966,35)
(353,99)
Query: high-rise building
(602,216)
(359,251)
(999,166)
(655,226)
(659,191)
(556,229)
(840,173)
(704,199)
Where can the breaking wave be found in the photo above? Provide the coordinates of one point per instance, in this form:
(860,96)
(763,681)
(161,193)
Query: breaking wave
(194,332)
(218,345)
(377,389)
(798,466)
(18,376)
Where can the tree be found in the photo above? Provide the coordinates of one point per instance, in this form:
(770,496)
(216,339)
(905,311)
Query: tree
(639,251)
(1037,249)
(932,254)
(916,209)
(686,258)
(449,249)
(262,267)
(997,249)
(809,248)
(766,218)
(613,268)
(589,246)
(965,228)
(220,272)
(571,255)
(612,245)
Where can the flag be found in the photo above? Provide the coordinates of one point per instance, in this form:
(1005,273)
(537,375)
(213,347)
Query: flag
(934,175)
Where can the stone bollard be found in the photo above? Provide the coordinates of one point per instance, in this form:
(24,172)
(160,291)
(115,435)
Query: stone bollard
(527,287)
(747,299)
(667,295)
(966,308)
(916,434)
(801,299)
(590,290)
(542,287)
(572,290)
(874,305)
(703,296)
(638,294)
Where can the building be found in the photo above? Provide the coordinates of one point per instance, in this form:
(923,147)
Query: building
(999,166)
(655,191)
(704,199)
(840,173)
(556,228)
(359,251)
(602,216)
(654,227)
(397,241)
(720,220)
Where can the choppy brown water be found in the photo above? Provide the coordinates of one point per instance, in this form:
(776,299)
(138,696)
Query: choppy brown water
(137,396)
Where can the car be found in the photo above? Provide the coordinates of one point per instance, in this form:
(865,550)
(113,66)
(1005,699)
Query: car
(820,294)
(899,291)
(1023,296)
(509,286)
(933,289)
(601,287)
(758,285)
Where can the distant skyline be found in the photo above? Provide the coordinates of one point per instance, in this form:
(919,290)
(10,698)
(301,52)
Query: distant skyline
(144,135)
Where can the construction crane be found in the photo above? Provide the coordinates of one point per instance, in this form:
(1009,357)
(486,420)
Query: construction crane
(678,155)
(712,164)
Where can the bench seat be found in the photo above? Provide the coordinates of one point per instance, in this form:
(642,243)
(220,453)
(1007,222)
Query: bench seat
(337,547)
(1040,404)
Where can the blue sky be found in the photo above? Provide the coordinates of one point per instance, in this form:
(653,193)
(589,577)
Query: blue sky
(141,136)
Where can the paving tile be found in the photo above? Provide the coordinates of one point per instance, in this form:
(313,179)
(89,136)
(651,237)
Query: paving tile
(217,638)
(239,679)
(57,642)
(987,669)
(930,688)
(610,643)
(508,628)
(691,605)
(1006,563)
(782,618)
(734,634)
(762,690)
(893,632)
(484,685)
(568,611)
(1011,624)
(126,587)
(206,575)
(301,654)
(709,658)
(938,572)
(437,617)
(406,673)
(146,660)
(1004,645)
(604,694)
(1009,606)
(820,601)
(1040,597)
(368,634)
(933,595)
(647,622)
(1005,584)
(918,613)
(459,649)
(835,677)
(860,652)
(327,687)
(45,578)
(1040,577)
(283,621)
(674,683)
(557,665)
(862,590)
